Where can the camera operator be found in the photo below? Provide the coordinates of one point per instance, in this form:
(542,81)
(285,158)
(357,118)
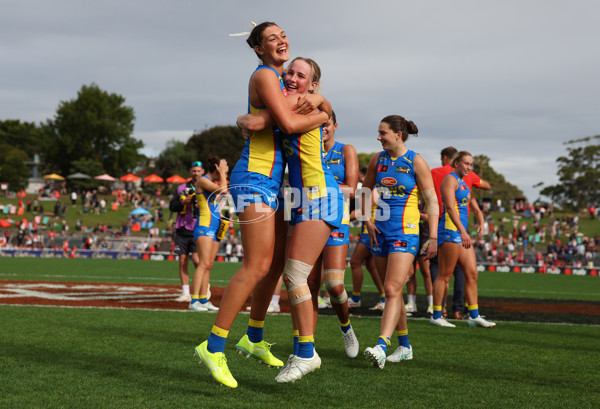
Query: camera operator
(184,204)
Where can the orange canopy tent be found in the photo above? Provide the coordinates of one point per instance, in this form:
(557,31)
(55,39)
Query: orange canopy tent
(176,179)
(130,177)
(153,179)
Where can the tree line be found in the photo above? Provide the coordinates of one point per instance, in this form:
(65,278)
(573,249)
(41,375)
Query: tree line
(93,134)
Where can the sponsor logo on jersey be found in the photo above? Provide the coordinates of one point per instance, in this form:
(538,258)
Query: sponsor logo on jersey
(399,243)
(411,225)
(382,168)
(403,169)
(463,187)
(334,161)
(389,181)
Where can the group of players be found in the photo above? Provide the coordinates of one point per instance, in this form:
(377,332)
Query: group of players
(290,124)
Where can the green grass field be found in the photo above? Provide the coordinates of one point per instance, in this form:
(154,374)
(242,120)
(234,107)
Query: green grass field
(104,358)
(492,284)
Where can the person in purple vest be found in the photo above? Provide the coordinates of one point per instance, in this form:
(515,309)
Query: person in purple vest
(184,204)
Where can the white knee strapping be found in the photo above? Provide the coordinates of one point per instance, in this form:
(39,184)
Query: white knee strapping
(296,272)
(334,278)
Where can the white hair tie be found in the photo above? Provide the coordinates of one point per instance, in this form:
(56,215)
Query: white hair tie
(245,33)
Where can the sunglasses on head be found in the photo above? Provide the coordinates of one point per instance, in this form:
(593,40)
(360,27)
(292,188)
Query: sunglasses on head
(196,163)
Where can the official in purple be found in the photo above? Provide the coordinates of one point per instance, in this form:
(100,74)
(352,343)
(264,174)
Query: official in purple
(184,204)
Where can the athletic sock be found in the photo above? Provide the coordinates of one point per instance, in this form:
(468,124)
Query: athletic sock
(412,299)
(429,299)
(355,296)
(255,330)
(382,297)
(474,311)
(275,299)
(185,289)
(296,341)
(216,340)
(345,327)
(403,338)
(384,342)
(306,346)
(437,312)
(195,299)
(203,299)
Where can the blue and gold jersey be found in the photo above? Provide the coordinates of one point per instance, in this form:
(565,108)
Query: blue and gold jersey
(461,205)
(262,152)
(208,205)
(398,205)
(306,167)
(334,159)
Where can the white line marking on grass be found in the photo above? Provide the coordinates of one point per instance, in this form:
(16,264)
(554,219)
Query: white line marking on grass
(75,277)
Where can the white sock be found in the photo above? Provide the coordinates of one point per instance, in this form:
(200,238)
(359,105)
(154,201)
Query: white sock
(430,300)
(412,299)
(275,299)
(186,289)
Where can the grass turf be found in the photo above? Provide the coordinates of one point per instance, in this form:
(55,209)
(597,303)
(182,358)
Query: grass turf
(61,357)
(491,284)
(68,357)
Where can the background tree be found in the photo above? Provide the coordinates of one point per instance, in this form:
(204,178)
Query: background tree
(224,142)
(501,189)
(364,159)
(13,169)
(97,126)
(23,135)
(578,175)
(175,159)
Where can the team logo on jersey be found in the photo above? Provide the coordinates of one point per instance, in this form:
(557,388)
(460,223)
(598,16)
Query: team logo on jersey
(335,234)
(382,168)
(389,181)
(463,187)
(411,225)
(399,243)
(334,161)
(403,169)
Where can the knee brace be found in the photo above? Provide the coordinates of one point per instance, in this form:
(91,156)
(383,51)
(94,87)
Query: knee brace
(334,278)
(296,272)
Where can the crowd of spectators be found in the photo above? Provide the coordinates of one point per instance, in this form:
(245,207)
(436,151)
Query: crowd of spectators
(547,241)
(531,235)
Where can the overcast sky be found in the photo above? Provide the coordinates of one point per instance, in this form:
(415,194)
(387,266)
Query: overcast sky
(512,80)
